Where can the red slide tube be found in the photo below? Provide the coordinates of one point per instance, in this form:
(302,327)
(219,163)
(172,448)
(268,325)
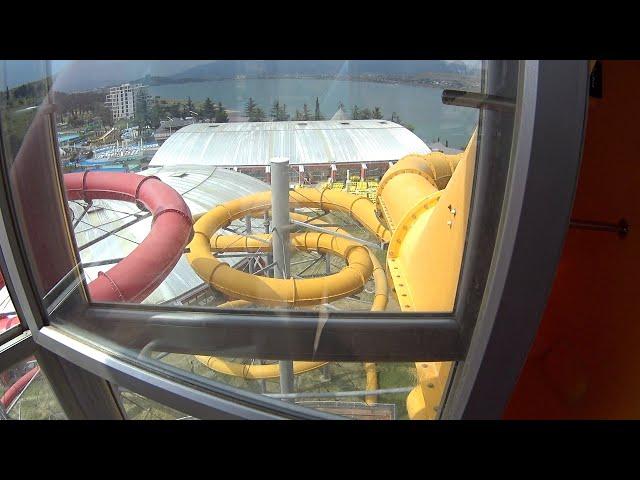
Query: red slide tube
(144,269)
(136,276)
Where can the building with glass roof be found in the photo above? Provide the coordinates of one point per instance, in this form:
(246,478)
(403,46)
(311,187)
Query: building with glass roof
(315,147)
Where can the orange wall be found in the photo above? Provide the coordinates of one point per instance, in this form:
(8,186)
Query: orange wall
(585,361)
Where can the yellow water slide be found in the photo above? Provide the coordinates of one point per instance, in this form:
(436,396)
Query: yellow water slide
(421,212)
(425,201)
(103,137)
(303,241)
(286,292)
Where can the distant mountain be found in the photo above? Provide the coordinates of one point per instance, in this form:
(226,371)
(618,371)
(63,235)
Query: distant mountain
(83,75)
(231,68)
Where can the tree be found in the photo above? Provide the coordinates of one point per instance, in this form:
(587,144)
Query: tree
(156,114)
(284,116)
(305,112)
(317,115)
(365,114)
(355,113)
(189,108)
(298,116)
(175,110)
(208,110)
(258,115)
(249,108)
(275,111)
(106,116)
(377,113)
(142,115)
(279,113)
(221,114)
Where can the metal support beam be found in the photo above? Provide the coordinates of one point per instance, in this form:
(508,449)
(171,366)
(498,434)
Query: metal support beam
(84,212)
(280,243)
(257,239)
(267,230)
(309,266)
(337,234)
(16,350)
(247,223)
(355,393)
(112,232)
(268,267)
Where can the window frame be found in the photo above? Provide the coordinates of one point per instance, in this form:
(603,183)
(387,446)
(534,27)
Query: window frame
(547,157)
(406,337)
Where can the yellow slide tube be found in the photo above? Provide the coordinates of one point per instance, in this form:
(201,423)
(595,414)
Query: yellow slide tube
(409,181)
(257,372)
(290,292)
(287,292)
(253,371)
(361,209)
(425,202)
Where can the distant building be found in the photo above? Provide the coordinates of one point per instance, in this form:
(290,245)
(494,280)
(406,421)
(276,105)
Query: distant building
(122,100)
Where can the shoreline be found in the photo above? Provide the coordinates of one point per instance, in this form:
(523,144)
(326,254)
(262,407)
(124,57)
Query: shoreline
(389,81)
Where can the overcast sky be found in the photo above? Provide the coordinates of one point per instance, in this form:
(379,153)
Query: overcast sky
(87,74)
(78,75)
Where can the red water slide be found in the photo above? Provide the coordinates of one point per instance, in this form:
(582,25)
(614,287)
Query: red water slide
(137,275)
(144,269)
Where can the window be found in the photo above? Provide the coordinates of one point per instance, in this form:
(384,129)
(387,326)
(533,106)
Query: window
(25,394)
(139,407)
(264,270)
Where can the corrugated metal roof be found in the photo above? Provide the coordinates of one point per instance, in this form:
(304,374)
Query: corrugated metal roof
(202,187)
(304,142)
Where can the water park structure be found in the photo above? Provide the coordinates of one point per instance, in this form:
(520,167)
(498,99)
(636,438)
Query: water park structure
(423,204)
(418,219)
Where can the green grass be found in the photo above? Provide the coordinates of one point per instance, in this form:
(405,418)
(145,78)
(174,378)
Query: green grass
(343,376)
(139,407)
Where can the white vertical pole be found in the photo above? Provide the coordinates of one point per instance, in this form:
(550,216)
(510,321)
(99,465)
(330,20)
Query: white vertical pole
(280,243)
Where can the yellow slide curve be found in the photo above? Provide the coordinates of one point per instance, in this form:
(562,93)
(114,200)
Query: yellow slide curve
(258,242)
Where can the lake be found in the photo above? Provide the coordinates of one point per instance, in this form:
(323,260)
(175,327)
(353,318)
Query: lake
(420,106)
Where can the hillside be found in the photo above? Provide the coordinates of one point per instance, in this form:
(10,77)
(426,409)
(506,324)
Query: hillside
(230,68)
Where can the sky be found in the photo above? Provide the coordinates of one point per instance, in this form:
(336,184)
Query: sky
(74,75)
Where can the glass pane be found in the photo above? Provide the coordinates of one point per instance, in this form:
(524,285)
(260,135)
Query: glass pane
(25,394)
(266,191)
(8,317)
(334,387)
(139,407)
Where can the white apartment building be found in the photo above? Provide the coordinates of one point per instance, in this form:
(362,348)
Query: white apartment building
(122,100)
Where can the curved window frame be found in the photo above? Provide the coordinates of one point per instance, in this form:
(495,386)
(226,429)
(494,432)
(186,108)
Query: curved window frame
(498,223)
